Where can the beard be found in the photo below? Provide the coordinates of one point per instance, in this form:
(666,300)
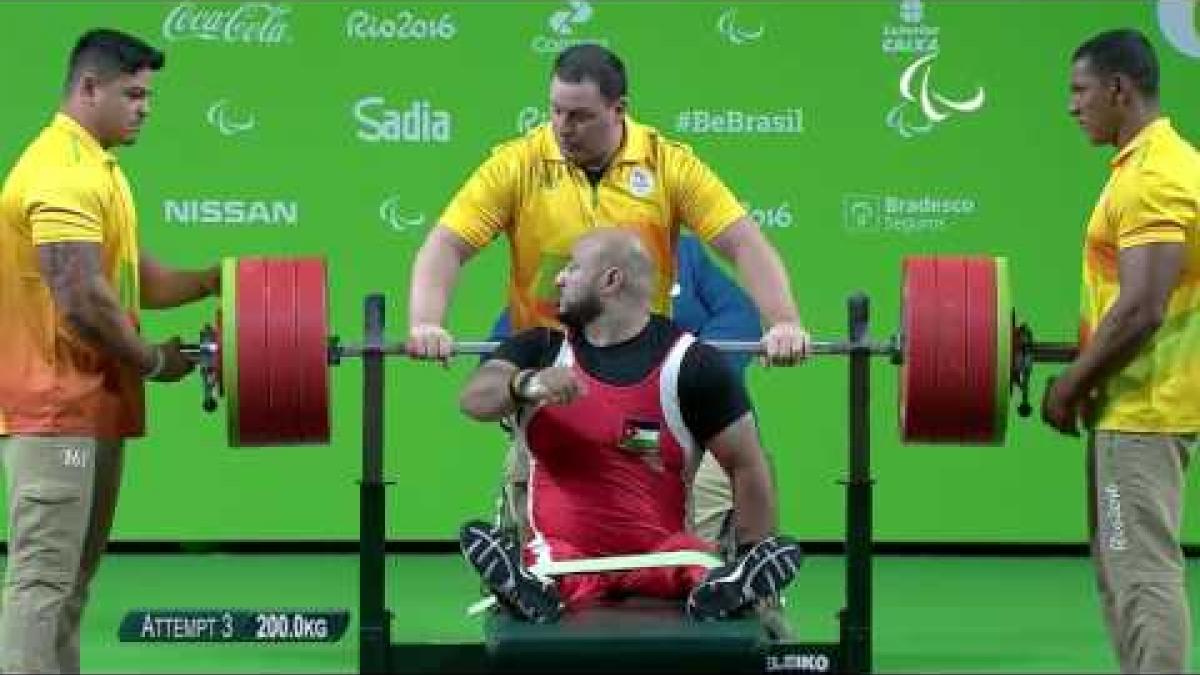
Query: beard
(578,314)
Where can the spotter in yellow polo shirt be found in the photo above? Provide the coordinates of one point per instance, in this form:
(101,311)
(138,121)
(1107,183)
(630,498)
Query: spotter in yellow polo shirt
(528,191)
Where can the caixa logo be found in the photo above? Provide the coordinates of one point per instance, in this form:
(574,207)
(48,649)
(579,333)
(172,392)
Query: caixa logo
(249,22)
(231,211)
(419,122)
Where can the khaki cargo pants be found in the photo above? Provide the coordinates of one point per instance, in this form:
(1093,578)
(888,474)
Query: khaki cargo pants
(1135,485)
(62,494)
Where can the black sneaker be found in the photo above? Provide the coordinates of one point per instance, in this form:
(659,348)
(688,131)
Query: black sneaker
(496,557)
(764,571)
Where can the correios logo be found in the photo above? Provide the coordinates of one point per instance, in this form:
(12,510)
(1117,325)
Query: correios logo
(231,211)
(419,122)
(564,24)
(249,22)
(394,215)
(923,107)
(727,26)
(563,21)
(228,120)
(1177,19)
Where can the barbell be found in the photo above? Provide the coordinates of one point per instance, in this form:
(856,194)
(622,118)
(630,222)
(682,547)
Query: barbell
(960,351)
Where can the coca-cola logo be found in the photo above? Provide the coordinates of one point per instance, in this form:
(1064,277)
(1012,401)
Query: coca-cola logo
(249,22)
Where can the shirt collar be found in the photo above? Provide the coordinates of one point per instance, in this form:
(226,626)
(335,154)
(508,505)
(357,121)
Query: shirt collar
(1139,139)
(69,125)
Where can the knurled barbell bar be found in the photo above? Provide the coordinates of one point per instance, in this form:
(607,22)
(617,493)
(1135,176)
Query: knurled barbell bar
(960,351)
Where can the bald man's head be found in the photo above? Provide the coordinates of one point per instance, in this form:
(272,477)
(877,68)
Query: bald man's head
(609,267)
(621,249)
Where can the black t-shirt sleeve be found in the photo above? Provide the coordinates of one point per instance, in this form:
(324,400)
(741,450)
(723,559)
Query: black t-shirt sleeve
(533,348)
(711,395)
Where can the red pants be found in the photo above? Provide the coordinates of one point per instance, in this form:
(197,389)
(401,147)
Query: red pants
(671,583)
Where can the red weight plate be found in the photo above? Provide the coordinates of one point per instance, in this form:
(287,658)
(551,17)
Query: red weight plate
(950,318)
(284,394)
(920,347)
(948,380)
(253,371)
(312,348)
(979,400)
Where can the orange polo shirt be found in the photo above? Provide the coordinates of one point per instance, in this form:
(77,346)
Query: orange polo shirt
(64,188)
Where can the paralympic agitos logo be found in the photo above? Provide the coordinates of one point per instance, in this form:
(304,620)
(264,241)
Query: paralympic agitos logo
(922,106)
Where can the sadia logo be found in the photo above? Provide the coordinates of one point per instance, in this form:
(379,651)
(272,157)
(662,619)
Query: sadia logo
(420,122)
(529,117)
(250,22)
(727,26)
(228,120)
(393,214)
(231,211)
(563,24)
(924,107)
(1177,19)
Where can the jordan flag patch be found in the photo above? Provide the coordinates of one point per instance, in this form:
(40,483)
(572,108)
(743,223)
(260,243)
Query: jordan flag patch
(640,435)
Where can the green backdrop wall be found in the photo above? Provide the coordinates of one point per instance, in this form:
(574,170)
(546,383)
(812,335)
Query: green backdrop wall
(341,129)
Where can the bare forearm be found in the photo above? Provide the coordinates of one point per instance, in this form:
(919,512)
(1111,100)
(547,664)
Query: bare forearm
(172,288)
(767,282)
(434,275)
(487,397)
(1123,331)
(761,271)
(89,305)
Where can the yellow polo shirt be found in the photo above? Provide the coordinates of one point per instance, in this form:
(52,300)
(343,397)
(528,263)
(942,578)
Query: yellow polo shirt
(528,191)
(64,188)
(1153,195)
